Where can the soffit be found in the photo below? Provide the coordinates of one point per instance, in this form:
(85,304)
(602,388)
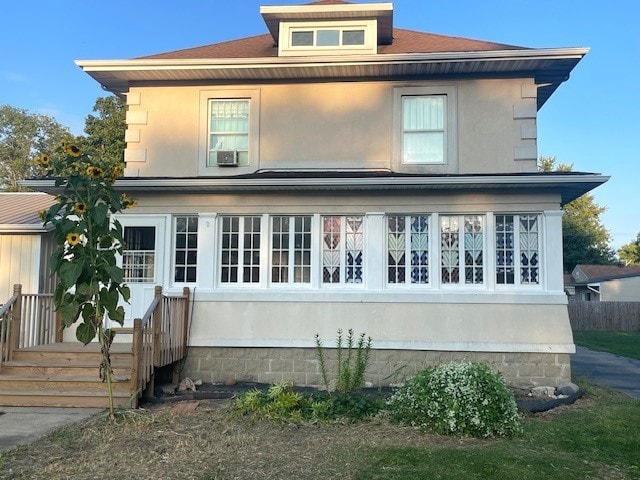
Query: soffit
(569,187)
(549,68)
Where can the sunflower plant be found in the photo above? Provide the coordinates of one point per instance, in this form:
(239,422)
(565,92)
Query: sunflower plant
(90,283)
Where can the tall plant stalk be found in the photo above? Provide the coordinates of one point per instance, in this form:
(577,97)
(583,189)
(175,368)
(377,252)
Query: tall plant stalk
(90,284)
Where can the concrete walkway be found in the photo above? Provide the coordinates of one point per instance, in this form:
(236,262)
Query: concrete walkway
(21,425)
(608,370)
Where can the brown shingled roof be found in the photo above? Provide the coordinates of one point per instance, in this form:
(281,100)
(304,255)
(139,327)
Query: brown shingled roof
(404,41)
(606,272)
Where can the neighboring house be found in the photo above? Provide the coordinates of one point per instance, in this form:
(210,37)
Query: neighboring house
(606,283)
(338,172)
(25,245)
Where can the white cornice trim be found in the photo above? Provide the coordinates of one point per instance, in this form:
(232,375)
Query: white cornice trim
(276,62)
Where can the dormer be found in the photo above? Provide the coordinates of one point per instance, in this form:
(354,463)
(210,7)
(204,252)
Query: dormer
(329,28)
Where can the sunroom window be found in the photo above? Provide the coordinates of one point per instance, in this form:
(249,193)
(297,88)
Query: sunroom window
(291,249)
(408,249)
(517,249)
(342,249)
(185,249)
(240,250)
(462,249)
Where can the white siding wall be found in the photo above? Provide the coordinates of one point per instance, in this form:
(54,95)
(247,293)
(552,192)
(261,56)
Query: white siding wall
(19,263)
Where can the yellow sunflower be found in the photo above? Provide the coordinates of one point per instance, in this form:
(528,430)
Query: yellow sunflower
(128,202)
(72,151)
(44,160)
(80,208)
(94,172)
(73,238)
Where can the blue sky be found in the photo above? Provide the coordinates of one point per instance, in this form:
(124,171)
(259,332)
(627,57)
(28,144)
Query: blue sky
(591,121)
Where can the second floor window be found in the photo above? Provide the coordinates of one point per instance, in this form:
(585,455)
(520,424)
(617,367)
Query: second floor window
(228,130)
(423,129)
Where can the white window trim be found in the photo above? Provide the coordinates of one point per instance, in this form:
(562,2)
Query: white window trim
(264,254)
(253,95)
(450,164)
(313,264)
(517,285)
(370,46)
(172,253)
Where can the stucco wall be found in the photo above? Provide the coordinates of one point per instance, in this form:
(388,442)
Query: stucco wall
(332,125)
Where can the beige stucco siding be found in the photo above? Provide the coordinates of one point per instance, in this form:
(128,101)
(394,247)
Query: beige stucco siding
(620,290)
(19,263)
(424,326)
(330,125)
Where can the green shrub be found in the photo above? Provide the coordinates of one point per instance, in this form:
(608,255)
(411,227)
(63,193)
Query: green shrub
(466,399)
(282,403)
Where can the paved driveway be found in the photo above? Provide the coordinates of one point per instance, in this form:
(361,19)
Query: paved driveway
(607,370)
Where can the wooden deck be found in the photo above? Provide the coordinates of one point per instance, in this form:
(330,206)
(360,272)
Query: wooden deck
(37,369)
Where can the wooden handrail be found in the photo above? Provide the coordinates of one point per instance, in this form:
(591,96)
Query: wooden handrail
(159,337)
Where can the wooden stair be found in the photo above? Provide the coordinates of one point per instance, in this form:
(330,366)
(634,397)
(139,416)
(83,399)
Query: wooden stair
(65,375)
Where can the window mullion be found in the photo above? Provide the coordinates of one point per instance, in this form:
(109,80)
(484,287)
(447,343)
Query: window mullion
(291,254)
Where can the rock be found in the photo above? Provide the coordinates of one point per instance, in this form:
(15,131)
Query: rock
(368,385)
(168,388)
(567,389)
(197,382)
(186,384)
(229,381)
(543,392)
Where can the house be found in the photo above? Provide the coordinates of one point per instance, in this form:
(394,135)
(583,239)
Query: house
(338,172)
(607,283)
(25,244)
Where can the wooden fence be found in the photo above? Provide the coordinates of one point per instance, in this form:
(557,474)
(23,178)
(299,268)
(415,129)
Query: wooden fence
(615,316)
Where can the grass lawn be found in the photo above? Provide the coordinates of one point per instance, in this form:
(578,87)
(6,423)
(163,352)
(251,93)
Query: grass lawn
(626,344)
(597,438)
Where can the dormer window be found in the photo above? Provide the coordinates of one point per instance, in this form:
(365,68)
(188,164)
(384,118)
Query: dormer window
(328,38)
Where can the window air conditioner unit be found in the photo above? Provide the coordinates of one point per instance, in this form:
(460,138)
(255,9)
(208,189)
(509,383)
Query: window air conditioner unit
(227,158)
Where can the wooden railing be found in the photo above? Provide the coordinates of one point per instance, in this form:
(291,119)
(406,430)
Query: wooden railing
(159,337)
(27,320)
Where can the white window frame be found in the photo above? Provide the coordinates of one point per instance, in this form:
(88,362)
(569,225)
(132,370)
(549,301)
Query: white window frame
(253,96)
(449,163)
(240,283)
(517,253)
(291,283)
(174,248)
(370,46)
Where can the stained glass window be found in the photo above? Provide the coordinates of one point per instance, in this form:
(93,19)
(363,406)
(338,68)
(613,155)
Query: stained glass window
(342,249)
(408,249)
(462,249)
(517,240)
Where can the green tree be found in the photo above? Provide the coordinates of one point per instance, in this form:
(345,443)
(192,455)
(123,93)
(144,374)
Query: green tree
(105,131)
(585,240)
(90,283)
(630,252)
(22,136)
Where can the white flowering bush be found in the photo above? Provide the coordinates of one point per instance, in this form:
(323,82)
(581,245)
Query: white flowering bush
(465,399)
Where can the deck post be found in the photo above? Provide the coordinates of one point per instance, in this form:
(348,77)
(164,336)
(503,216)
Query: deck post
(58,327)
(185,326)
(136,361)
(16,318)
(157,326)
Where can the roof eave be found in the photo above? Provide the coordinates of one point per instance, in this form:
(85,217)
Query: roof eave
(549,67)
(568,187)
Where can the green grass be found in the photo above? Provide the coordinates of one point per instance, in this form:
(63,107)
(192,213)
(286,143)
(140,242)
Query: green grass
(626,344)
(599,440)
